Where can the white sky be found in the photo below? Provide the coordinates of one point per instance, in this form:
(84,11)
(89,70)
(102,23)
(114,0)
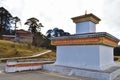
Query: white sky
(58,13)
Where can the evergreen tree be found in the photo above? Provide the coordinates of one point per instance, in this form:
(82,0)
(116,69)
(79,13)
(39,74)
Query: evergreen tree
(35,28)
(5,21)
(56,33)
(34,25)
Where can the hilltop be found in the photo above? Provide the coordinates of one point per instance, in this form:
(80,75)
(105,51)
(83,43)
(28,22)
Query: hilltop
(12,49)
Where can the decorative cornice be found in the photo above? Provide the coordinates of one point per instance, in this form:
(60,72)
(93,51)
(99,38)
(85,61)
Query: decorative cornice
(101,38)
(86,17)
(75,41)
(86,41)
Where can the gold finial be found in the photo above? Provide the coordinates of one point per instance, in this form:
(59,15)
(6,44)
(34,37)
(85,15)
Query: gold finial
(85,12)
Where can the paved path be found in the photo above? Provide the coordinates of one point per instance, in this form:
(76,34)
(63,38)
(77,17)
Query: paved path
(36,55)
(38,75)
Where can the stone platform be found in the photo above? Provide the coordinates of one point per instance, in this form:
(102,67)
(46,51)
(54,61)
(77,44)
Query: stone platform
(108,74)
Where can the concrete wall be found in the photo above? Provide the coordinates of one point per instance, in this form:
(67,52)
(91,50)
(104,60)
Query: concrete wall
(85,27)
(22,66)
(96,57)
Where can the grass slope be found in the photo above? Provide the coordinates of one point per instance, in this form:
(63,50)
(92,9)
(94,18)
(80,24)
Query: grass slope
(12,49)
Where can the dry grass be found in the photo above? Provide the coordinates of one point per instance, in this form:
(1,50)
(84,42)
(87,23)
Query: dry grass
(51,55)
(117,58)
(12,49)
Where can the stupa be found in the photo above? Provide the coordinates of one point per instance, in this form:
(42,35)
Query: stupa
(86,53)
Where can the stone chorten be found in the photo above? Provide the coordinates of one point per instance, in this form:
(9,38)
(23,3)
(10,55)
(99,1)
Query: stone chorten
(87,53)
(87,49)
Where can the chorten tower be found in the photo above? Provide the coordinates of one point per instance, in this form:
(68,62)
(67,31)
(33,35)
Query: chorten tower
(87,53)
(86,49)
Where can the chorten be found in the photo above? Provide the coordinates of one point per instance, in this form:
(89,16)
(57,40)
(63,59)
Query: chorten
(87,48)
(87,53)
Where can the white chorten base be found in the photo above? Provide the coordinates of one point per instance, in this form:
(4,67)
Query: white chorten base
(108,74)
(95,57)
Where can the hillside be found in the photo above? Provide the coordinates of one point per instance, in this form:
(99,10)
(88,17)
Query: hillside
(12,49)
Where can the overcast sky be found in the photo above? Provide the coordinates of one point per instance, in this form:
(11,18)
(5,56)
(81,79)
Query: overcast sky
(58,13)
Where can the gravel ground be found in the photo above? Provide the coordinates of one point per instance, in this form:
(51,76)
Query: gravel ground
(38,75)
